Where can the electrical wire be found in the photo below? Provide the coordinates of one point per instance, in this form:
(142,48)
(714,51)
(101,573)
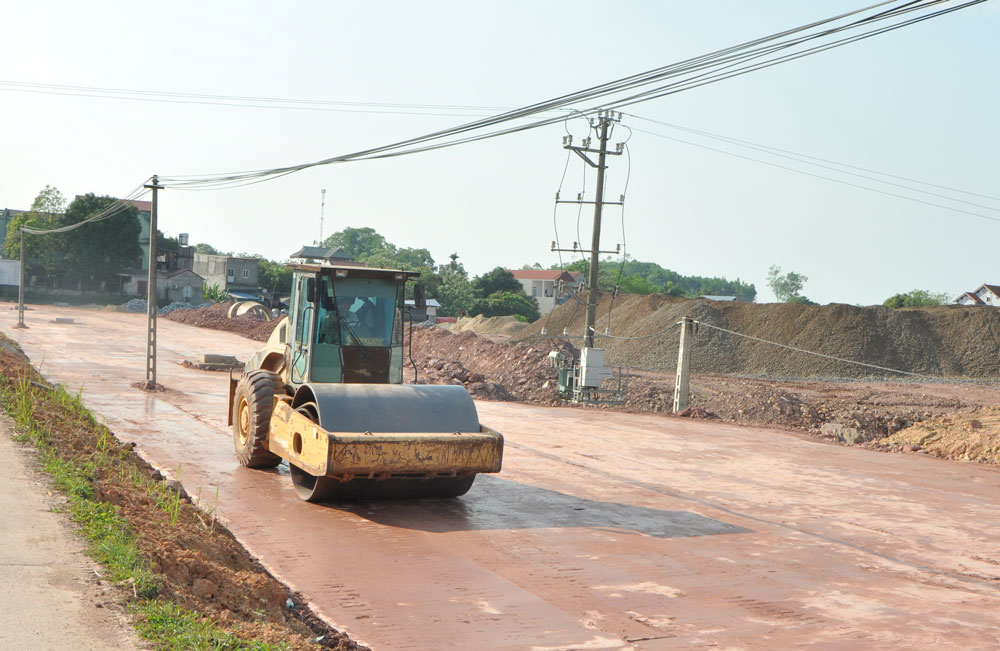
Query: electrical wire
(798,155)
(445,110)
(107,212)
(555,227)
(838,359)
(827,178)
(799,159)
(716,66)
(621,268)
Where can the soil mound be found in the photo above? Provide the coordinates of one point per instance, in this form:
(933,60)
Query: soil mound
(949,341)
(215,316)
(492,325)
(488,369)
(970,435)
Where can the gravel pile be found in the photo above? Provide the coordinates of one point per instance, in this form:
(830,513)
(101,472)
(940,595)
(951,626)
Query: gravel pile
(949,341)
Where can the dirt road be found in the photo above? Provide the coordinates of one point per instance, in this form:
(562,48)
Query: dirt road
(605,530)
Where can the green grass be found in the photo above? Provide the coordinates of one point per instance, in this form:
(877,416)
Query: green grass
(171,627)
(110,536)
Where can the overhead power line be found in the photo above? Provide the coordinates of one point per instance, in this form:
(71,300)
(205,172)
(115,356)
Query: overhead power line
(841,181)
(769,148)
(244,101)
(788,45)
(107,212)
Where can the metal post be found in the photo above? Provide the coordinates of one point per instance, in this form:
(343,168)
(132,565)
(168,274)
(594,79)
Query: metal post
(595,244)
(20,288)
(682,385)
(151,300)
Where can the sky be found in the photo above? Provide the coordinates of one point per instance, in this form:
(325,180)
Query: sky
(920,103)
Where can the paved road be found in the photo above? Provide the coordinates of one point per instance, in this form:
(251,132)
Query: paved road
(604,531)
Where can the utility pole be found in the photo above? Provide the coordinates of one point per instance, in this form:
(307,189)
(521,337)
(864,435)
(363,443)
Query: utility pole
(322,207)
(20,288)
(603,126)
(682,390)
(151,306)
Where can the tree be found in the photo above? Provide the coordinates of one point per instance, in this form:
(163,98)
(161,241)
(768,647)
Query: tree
(508,304)
(274,276)
(785,286)
(39,250)
(49,202)
(496,280)
(636,284)
(916,298)
(165,244)
(359,243)
(99,250)
(453,267)
(455,294)
(202,247)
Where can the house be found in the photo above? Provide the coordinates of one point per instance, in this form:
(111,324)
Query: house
(235,275)
(985,295)
(176,286)
(708,297)
(550,287)
(427,314)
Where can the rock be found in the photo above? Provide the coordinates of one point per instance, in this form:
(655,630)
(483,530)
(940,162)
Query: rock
(844,433)
(975,423)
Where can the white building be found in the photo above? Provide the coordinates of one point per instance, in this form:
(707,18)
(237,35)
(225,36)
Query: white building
(985,295)
(550,287)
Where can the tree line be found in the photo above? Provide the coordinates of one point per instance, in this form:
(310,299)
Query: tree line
(91,255)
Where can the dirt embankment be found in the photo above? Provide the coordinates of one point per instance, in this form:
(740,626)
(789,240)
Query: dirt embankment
(970,435)
(214,316)
(488,369)
(948,341)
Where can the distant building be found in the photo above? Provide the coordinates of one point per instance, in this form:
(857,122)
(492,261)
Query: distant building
(419,316)
(550,287)
(177,286)
(985,295)
(239,275)
(719,298)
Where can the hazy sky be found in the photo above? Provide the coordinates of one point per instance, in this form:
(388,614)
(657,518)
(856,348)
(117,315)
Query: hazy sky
(921,102)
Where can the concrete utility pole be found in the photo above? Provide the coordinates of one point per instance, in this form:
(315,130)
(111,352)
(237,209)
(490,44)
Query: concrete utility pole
(20,288)
(604,126)
(682,388)
(151,306)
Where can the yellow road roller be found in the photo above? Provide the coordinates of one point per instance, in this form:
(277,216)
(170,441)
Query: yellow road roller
(326,394)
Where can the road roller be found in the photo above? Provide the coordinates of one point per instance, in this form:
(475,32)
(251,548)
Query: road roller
(326,395)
